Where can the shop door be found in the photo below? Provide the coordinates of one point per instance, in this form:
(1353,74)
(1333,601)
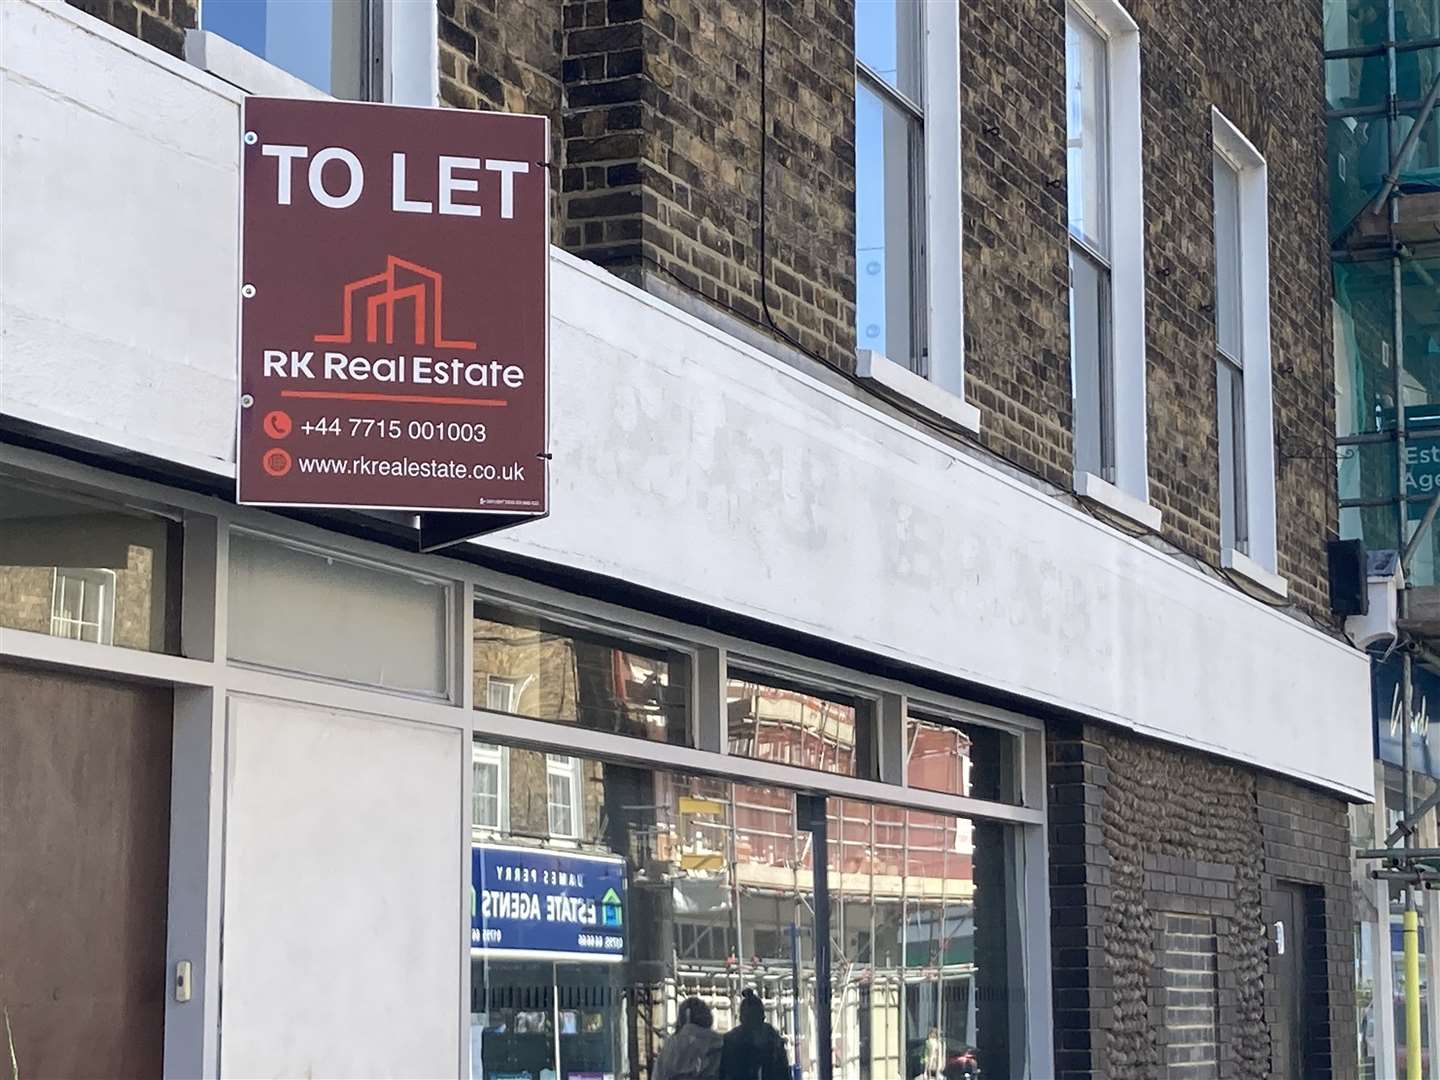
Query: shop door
(1292,967)
(85,822)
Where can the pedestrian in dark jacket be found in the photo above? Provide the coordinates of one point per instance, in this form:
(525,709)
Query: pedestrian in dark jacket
(754,1050)
(693,1052)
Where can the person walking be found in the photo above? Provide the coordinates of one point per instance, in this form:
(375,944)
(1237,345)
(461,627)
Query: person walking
(693,1052)
(754,1050)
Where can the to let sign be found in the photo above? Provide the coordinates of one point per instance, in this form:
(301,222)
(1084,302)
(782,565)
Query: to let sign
(394,322)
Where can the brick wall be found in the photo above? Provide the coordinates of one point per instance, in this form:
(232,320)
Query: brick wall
(1141,835)
(657,152)
(162,23)
(1264,72)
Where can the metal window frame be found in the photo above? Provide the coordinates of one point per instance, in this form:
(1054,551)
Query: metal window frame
(205,684)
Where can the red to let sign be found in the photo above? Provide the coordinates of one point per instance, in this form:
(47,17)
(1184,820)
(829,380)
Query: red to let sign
(394,321)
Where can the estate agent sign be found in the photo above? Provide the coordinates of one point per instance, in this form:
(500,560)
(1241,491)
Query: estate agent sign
(393,325)
(554,905)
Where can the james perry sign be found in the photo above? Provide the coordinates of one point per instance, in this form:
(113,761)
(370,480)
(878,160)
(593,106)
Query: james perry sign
(393,308)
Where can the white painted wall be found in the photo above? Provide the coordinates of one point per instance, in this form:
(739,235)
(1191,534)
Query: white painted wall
(684,460)
(343,907)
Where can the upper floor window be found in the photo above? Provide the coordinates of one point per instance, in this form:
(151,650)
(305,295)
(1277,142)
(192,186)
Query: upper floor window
(890,181)
(1107,256)
(909,307)
(1087,143)
(1244,424)
(1230,361)
(331,44)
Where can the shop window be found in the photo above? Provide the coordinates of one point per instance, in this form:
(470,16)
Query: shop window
(88,570)
(582,952)
(772,719)
(327,43)
(972,760)
(303,609)
(535,666)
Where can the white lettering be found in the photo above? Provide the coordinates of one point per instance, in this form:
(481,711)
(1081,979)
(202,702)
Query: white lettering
(317,184)
(400,201)
(275,363)
(507,171)
(450,184)
(286,156)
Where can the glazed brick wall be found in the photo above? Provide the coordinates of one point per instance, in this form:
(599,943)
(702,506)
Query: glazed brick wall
(162,23)
(1138,830)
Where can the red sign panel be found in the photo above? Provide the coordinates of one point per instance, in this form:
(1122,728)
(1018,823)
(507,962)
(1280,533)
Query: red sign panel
(394,320)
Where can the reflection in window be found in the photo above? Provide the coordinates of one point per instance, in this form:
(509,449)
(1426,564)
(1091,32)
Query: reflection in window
(689,885)
(323,42)
(562,774)
(774,721)
(490,784)
(889,175)
(88,570)
(973,760)
(533,666)
(83,605)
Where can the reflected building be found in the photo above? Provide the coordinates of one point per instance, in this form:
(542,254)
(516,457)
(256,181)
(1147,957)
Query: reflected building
(719,894)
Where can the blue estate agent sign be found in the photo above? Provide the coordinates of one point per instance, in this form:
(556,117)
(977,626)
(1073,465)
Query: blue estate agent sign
(528,902)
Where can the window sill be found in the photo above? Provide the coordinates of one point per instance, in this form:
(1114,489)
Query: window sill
(241,68)
(897,381)
(1112,500)
(1237,562)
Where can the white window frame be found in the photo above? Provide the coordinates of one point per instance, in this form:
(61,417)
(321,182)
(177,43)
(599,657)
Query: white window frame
(408,58)
(485,753)
(61,624)
(567,767)
(1259,562)
(942,392)
(1127,493)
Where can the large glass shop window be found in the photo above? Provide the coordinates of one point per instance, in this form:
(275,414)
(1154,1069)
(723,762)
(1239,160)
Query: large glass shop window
(590,931)
(534,666)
